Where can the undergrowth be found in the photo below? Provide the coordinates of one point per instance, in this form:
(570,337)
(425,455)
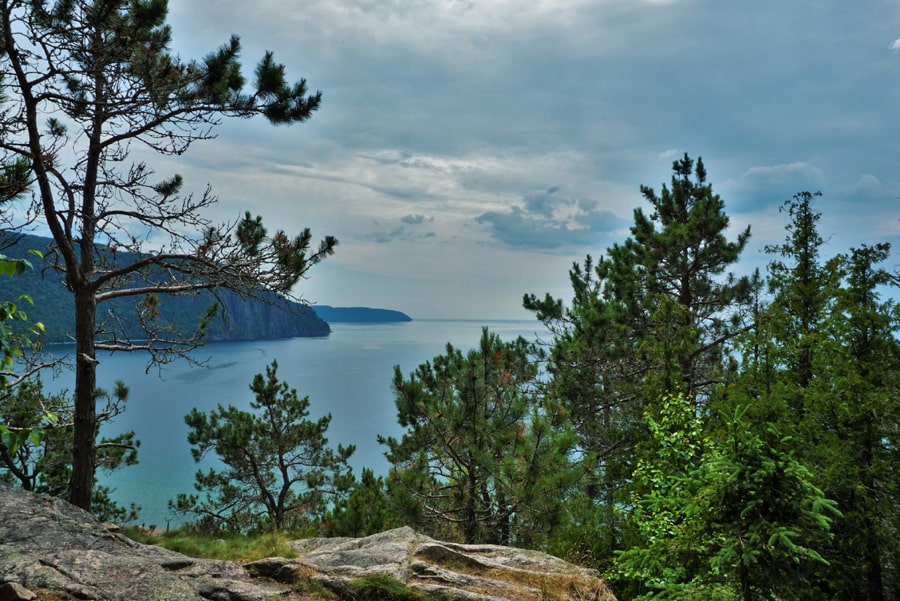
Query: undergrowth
(239,548)
(381,587)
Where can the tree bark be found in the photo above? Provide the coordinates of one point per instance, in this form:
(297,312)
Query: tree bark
(81,484)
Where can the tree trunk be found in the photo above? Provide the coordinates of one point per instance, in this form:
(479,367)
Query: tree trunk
(746,591)
(81,485)
(84,452)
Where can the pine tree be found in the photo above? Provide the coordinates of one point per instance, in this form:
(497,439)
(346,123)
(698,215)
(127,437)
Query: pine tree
(482,452)
(366,510)
(667,275)
(277,462)
(658,314)
(86,82)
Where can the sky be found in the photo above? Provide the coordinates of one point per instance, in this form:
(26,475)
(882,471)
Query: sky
(469,152)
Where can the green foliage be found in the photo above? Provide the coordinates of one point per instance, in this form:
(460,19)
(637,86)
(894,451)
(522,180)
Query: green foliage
(483,451)
(42,463)
(826,355)
(12,342)
(365,510)
(15,178)
(381,587)
(731,516)
(668,276)
(12,346)
(236,547)
(267,454)
(768,470)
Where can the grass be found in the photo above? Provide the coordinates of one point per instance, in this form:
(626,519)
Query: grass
(246,548)
(238,547)
(381,587)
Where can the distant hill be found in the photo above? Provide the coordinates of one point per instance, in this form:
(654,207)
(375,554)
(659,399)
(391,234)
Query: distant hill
(240,319)
(359,314)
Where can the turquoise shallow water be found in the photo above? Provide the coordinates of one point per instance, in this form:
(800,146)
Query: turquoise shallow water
(347,374)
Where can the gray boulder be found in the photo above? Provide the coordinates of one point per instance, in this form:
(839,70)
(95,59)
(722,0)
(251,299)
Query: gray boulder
(449,570)
(50,549)
(54,549)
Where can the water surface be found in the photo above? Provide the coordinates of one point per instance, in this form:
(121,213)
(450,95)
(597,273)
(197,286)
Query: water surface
(347,374)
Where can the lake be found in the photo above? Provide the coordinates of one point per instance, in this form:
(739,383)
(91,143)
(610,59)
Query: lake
(347,374)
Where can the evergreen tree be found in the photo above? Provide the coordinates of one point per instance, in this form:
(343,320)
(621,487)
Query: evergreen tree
(658,314)
(86,81)
(733,515)
(366,510)
(278,468)
(483,454)
(803,291)
(861,426)
(667,276)
(14,175)
(822,363)
(44,464)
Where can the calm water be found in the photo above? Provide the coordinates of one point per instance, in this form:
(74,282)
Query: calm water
(347,374)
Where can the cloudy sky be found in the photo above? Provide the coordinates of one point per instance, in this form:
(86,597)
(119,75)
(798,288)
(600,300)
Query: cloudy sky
(467,152)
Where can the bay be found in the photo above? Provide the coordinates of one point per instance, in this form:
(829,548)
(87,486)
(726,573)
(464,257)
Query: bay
(347,374)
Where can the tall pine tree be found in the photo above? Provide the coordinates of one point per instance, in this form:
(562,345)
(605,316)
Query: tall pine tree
(657,315)
(87,82)
(483,454)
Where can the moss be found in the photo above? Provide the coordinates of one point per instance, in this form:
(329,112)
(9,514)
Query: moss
(381,587)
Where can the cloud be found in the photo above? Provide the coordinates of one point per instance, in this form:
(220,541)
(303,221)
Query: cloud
(869,185)
(445,121)
(415,219)
(543,203)
(545,220)
(671,154)
(773,183)
(400,232)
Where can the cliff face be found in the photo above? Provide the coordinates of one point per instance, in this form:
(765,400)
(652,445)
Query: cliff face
(274,318)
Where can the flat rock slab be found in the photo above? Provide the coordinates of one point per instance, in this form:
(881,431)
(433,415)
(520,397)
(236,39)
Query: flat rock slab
(49,548)
(474,572)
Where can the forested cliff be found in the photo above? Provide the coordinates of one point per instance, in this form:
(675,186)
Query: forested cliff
(237,318)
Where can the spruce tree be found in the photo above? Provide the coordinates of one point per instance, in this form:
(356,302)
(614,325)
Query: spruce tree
(728,514)
(859,422)
(822,363)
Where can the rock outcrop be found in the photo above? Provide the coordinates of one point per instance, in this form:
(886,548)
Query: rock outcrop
(447,570)
(57,551)
(52,550)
